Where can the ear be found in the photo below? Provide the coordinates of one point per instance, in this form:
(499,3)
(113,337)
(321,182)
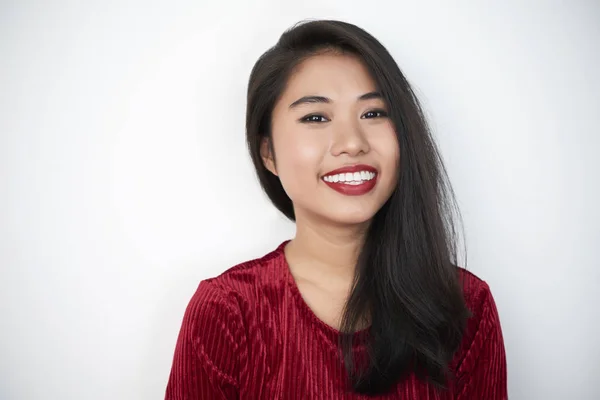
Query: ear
(267,156)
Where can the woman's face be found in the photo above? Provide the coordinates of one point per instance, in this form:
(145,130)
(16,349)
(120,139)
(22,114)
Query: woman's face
(336,150)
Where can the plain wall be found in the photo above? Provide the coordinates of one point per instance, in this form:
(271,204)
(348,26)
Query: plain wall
(125,178)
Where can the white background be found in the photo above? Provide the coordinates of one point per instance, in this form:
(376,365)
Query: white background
(125,178)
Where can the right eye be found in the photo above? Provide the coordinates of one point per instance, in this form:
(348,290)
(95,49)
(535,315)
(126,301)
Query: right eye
(314,118)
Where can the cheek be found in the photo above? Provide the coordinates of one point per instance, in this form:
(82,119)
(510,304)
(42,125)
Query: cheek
(298,169)
(387,148)
(299,156)
(385,143)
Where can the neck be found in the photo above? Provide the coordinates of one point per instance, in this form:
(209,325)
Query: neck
(324,252)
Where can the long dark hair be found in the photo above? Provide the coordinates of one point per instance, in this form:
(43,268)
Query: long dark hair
(406,279)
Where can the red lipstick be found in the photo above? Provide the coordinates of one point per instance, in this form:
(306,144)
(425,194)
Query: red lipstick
(352,188)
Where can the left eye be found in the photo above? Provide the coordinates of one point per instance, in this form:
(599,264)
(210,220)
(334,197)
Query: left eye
(374,114)
(314,118)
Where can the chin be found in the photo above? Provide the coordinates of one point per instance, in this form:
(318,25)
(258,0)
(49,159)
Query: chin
(348,217)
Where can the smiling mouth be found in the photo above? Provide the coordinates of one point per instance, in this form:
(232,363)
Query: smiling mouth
(354,182)
(350,178)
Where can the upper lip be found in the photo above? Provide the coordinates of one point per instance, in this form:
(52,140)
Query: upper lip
(352,169)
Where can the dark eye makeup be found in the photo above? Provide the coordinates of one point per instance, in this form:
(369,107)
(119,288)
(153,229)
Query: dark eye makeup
(313,118)
(375,114)
(318,118)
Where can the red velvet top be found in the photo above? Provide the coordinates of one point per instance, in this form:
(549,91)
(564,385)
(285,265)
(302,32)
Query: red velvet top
(248,334)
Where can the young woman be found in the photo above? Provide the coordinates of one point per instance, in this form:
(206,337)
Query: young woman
(367,300)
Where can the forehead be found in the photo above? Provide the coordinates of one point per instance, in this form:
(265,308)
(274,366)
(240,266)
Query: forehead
(332,75)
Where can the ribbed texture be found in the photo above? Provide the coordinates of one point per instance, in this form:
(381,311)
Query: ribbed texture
(248,334)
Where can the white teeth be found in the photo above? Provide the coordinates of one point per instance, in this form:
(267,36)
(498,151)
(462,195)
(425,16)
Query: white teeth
(351,178)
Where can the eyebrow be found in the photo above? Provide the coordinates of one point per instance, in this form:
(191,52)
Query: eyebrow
(326,100)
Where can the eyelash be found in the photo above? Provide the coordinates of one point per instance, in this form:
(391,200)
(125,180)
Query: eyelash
(382,114)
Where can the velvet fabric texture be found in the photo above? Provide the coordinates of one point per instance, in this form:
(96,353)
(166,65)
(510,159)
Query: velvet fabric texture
(248,334)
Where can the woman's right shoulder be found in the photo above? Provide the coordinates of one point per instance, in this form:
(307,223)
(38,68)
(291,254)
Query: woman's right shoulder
(242,282)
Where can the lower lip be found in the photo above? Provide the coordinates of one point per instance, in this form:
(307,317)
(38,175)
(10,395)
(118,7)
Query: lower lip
(353,190)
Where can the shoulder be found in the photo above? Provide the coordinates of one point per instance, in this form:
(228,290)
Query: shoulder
(480,363)
(484,324)
(229,292)
(479,299)
(245,278)
(214,323)
(477,292)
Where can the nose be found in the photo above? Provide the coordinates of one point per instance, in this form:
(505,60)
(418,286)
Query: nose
(348,138)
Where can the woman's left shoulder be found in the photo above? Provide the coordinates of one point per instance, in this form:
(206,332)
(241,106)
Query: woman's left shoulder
(480,362)
(484,321)
(477,293)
